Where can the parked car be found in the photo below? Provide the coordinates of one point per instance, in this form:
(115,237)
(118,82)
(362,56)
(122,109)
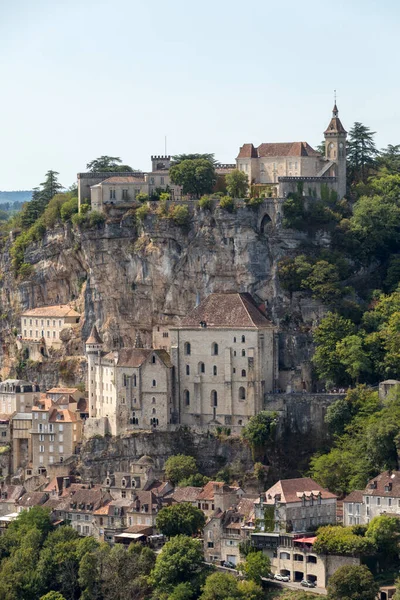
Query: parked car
(278,577)
(229,565)
(308,583)
(285,578)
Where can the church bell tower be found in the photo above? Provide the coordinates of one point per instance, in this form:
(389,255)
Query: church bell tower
(335,150)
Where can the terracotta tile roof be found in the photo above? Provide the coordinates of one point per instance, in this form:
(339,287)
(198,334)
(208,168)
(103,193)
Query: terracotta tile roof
(94,337)
(33,499)
(207,492)
(291,490)
(144,529)
(294,149)
(387,484)
(57,484)
(43,404)
(185,494)
(245,507)
(63,416)
(144,498)
(135,357)
(116,179)
(11,492)
(62,390)
(87,500)
(356,496)
(65,399)
(230,310)
(61,310)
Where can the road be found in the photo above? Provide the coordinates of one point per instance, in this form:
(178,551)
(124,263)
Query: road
(295,586)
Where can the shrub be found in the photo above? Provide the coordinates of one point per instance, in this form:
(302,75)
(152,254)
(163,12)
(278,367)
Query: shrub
(142,212)
(254,202)
(206,203)
(78,219)
(164,196)
(85,208)
(69,208)
(96,218)
(180,214)
(227,203)
(25,270)
(141,197)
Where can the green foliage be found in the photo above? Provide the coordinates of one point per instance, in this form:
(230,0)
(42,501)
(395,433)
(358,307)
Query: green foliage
(383,531)
(142,197)
(333,539)
(361,153)
(227,203)
(352,582)
(183,591)
(237,184)
(108,163)
(206,203)
(180,214)
(182,518)
(260,430)
(196,480)
(53,596)
(197,176)
(254,202)
(256,566)
(142,212)
(69,208)
(180,561)
(250,590)
(178,158)
(332,329)
(180,466)
(220,586)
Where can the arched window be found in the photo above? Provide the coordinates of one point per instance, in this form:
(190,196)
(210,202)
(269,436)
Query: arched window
(187,370)
(186,397)
(202,368)
(243,339)
(153,411)
(153,400)
(214,398)
(214,349)
(242,393)
(123,482)
(187,348)
(154,383)
(215,370)
(243,372)
(234,340)
(243,352)
(153,359)
(134,381)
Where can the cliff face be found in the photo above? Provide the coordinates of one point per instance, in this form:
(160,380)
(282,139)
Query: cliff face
(126,278)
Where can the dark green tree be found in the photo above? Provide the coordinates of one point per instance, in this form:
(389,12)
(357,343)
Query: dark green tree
(108,163)
(352,582)
(197,177)
(220,586)
(180,466)
(181,560)
(256,566)
(178,158)
(260,431)
(237,184)
(388,160)
(361,153)
(183,518)
(332,329)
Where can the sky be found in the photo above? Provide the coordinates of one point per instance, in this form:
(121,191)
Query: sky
(83,78)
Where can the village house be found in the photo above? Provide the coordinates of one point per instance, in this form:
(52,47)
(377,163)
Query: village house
(380,497)
(56,432)
(17,395)
(281,166)
(44,325)
(21,447)
(111,519)
(30,499)
(295,505)
(82,504)
(130,388)
(225,358)
(9,496)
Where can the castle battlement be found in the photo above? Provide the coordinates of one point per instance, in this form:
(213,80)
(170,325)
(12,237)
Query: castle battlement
(161,157)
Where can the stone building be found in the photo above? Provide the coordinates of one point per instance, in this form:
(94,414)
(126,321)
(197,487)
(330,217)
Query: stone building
(113,188)
(354,509)
(380,497)
(295,505)
(44,325)
(21,426)
(17,395)
(130,388)
(282,165)
(56,433)
(225,359)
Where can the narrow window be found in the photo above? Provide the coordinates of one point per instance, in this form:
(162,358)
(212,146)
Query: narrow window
(202,367)
(187,370)
(242,393)
(153,359)
(243,352)
(186,395)
(214,398)
(243,339)
(243,372)
(214,349)
(215,370)
(187,348)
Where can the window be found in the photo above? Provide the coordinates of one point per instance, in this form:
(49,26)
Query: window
(215,370)
(378,501)
(153,400)
(36,333)
(350,509)
(284,555)
(4,434)
(187,370)
(41,448)
(243,352)
(112,194)
(153,359)
(123,493)
(51,448)
(30,333)
(187,348)
(48,323)
(54,323)
(202,367)
(243,372)
(54,334)
(134,381)
(186,396)
(51,459)
(59,323)
(154,383)
(151,180)
(162,181)
(61,449)
(41,437)
(389,502)
(48,334)
(51,427)
(234,340)
(312,559)
(60,437)
(124,194)
(153,411)
(243,339)
(214,398)
(61,428)
(367,500)
(214,349)
(242,393)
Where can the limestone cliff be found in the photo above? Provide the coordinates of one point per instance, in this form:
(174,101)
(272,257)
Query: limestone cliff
(126,277)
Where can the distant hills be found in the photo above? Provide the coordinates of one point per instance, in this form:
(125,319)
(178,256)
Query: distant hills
(15,196)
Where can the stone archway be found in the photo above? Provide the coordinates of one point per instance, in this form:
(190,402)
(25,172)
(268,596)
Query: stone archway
(266,221)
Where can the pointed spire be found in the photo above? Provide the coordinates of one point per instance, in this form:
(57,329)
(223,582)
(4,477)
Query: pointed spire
(94,337)
(138,341)
(335,112)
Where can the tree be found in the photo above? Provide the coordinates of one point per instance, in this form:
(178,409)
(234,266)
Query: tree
(180,467)
(389,159)
(384,531)
(53,596)
(183,518)
(349,541)
(237,184)
(250,590)
(260,430)
(256,566)
(197,177)
(220,586)
(332,329)
(352,582)
(353,356)
(183,591)
(180,560)
(361,152)
(323,281)
(178,158)
(50,187)
(108,163)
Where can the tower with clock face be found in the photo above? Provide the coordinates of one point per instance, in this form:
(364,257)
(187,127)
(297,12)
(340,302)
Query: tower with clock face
(335,150)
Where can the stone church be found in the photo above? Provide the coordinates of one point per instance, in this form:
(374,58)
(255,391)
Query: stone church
(281,166)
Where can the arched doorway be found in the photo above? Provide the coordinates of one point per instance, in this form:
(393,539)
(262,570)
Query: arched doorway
(266,222)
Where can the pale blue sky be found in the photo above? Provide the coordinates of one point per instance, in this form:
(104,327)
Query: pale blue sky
(84,78)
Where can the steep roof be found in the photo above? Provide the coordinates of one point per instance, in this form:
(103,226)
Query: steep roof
(356,496)
(135,357)
(61,310)
(33,499)
(62,390)
(278,149)
(185,494)
(94,337)
(63,416)
(291,490)
(228,310)
(11,492)
(385,484)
